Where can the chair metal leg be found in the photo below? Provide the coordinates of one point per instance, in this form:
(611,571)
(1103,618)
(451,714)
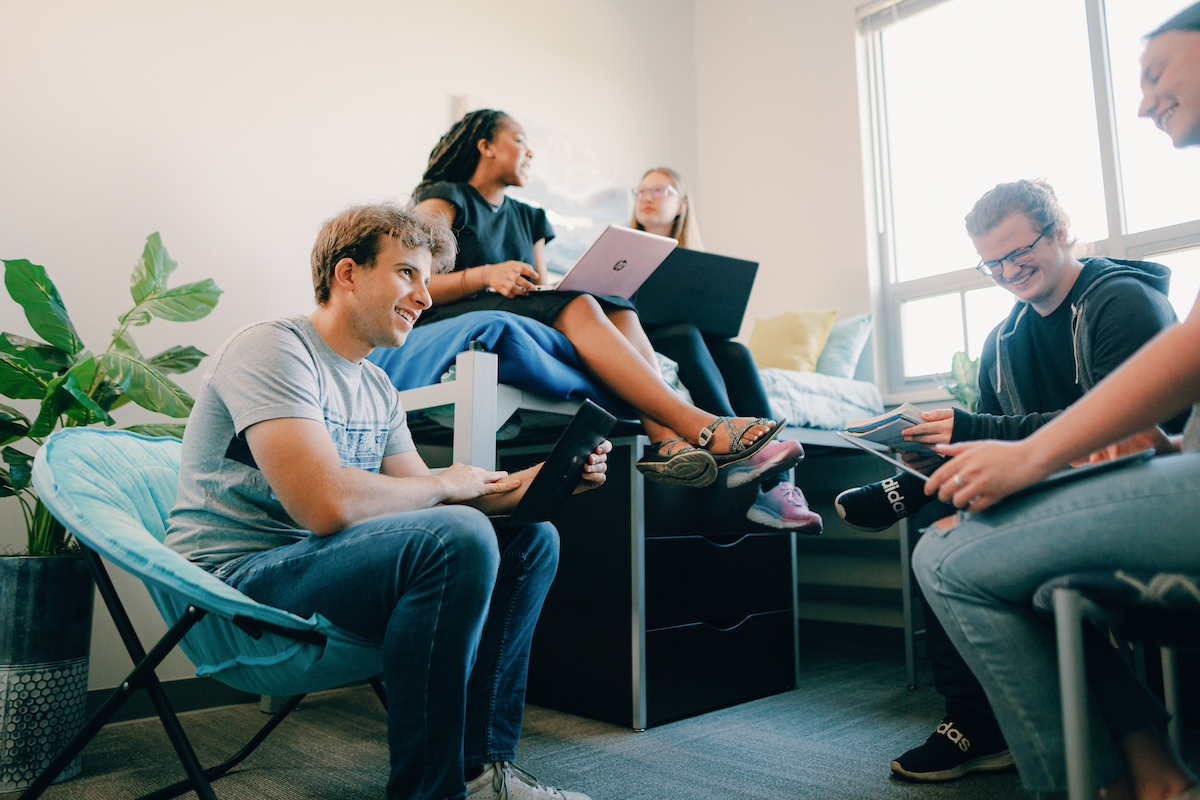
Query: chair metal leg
(142,677)
(1068,623)
(1170,675)
(906,591)
(380,692)
(212,773)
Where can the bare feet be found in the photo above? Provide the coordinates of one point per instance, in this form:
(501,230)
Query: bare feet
(1155,770)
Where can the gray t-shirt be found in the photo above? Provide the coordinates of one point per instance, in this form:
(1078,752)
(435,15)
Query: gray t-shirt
(271,370)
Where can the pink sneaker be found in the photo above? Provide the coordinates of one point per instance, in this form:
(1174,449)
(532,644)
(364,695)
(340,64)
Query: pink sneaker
(784,508)
(773,458)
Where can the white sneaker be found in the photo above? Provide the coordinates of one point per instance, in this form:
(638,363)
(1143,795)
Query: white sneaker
(504,780)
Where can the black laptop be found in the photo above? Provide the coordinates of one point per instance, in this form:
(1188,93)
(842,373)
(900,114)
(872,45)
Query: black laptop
(563,468)
(705,289)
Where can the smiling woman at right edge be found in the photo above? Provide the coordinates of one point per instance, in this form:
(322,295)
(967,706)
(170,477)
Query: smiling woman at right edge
(979,569)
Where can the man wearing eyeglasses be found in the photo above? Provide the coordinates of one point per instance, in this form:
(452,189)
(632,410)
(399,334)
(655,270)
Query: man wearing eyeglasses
(1075,321)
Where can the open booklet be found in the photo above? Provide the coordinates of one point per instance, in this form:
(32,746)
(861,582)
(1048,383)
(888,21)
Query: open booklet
(885,428)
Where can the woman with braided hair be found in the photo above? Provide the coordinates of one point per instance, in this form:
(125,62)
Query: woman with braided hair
(501,245)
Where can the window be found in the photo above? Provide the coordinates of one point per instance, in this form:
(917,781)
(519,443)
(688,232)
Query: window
(965,94)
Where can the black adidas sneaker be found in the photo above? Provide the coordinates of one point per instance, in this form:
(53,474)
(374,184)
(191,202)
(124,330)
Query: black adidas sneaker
(954,750)
(880,505)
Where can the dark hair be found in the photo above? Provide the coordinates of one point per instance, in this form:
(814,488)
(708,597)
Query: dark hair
(1186,20)
(357,234)
(1035,199)
(456,155)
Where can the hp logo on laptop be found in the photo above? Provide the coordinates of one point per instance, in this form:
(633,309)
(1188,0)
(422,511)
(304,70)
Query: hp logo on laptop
(620,265)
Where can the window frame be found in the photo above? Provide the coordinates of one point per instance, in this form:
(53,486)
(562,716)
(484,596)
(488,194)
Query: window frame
(873,19)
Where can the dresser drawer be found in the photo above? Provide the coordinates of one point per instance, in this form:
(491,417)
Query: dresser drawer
(716,579)
(695,668)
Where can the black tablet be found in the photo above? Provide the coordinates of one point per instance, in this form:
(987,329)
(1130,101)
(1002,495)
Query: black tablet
(562,469)
(1071,474)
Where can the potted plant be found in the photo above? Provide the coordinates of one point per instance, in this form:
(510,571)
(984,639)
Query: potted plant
(46,592)
(963,381)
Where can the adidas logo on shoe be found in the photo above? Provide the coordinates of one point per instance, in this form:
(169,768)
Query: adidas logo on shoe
(892,487)
(877,506)
(954,735)
(948,754)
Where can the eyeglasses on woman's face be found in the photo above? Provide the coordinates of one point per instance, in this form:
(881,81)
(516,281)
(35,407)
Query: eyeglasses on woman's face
(1018,258)
(654,192)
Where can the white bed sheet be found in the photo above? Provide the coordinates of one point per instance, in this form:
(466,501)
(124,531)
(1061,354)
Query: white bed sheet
(810,399)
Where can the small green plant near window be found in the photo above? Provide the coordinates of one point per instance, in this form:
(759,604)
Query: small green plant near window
(962,382)
(77,387)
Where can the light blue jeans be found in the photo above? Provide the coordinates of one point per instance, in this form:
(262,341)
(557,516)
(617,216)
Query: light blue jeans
(980,577)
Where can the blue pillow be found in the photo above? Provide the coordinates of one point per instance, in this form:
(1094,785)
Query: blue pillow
(844,346)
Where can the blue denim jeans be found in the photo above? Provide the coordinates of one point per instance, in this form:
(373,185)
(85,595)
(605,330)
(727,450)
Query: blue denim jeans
(980,577)
(454,602)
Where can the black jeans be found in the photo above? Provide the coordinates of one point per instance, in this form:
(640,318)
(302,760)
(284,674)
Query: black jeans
(951,676)
(720,373)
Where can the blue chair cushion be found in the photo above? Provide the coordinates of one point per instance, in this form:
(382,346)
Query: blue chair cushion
(113,490)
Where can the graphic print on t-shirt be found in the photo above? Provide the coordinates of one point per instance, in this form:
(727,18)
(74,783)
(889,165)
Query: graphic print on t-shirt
(359,443)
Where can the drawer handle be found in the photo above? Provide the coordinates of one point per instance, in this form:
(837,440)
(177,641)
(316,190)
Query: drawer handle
(727,624)
(734,543)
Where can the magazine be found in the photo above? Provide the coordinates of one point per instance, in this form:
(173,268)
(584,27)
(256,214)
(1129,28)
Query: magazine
(885,428)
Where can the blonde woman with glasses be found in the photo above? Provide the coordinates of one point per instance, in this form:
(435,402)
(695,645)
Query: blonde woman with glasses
(720,373)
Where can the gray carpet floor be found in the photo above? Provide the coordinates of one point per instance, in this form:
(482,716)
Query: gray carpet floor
(832,737)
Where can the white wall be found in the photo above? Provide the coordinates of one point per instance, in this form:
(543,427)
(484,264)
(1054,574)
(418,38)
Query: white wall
(780,151)
(236,128)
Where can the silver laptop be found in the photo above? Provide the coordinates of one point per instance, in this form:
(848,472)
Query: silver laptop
(617,262)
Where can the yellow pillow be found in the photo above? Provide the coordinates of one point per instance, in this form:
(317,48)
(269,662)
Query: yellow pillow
(792,340)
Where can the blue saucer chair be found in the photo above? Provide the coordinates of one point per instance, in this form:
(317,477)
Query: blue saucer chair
(113,491)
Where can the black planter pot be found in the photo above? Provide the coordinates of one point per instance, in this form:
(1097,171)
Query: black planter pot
(45,636)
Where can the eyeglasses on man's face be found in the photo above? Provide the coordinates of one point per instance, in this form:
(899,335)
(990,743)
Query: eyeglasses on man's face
(654,192)
(1018,258)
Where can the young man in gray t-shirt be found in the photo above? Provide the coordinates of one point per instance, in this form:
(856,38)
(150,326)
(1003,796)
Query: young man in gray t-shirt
(300,486)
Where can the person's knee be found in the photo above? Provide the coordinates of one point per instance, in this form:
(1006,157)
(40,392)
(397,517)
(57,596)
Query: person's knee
(468,538)
(678,332)
(584,306)
(542,548)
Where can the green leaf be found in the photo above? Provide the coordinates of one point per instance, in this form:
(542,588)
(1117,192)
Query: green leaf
(108,396)
(65,396)
(29,285)
(6,487)
(13,424)
(87,408)
(151,271)
(52,403)
(146,386)
(18,380)
(39,355)
(177,359)
(20,467)
(124,342)
(160,429)
(185,303)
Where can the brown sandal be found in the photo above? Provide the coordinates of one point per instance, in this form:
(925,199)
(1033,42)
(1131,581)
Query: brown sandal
(737,450)
(688,466)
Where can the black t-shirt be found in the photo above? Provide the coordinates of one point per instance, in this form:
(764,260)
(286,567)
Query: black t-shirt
(1052,365)
(486,234)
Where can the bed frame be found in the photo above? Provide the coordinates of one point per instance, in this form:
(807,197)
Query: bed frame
(482,405)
